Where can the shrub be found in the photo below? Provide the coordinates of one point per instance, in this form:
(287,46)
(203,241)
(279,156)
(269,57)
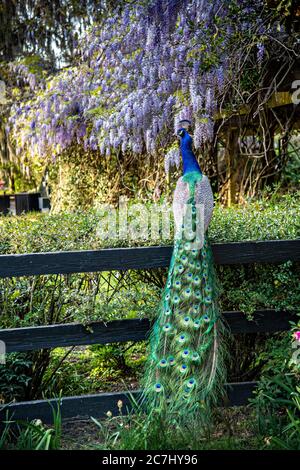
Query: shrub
(277,397)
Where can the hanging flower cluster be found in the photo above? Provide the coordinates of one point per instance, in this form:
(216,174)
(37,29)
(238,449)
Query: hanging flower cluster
(147,68)
(172,158)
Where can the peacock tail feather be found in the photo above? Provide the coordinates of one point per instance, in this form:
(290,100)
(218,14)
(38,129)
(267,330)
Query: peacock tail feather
(185,371)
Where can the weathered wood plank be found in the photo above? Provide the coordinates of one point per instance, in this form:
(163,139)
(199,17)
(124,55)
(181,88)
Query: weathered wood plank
(264,321)
(63,262)
(271,251)
(98,405)
(75,334)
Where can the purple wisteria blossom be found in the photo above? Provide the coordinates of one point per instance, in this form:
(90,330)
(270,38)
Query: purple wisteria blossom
(137,77)
(172,158)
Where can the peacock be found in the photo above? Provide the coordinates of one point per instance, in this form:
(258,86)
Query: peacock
(185,367)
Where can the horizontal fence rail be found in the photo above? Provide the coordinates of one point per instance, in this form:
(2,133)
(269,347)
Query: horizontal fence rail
(76,334)
(65,262)
(97,405)
(51,336)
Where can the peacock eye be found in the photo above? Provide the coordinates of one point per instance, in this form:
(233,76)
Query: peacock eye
(195,356)
(208,300)
(191,383)
(183,368)
(158,387)
(171,360)
(182,338)
(163,363)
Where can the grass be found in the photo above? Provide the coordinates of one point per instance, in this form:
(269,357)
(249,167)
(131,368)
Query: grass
(34,435)
(234,430)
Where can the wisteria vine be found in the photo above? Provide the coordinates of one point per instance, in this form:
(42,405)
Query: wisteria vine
(150,66)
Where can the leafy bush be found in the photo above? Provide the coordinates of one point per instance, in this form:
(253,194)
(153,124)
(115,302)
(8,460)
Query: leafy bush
(278,395)
(266,219)
(15,376)
(291,432)
(93,369)
(260,286)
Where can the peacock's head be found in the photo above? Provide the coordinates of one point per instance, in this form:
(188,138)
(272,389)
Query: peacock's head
(184,126)
(181,132)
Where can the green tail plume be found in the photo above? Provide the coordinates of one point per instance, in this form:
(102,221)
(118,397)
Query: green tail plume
(185,370)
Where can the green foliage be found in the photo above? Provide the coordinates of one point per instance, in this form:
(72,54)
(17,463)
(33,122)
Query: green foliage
(23,435)
(59,299)
(278,395)
(291,171)
(45,300)
(80,179)
(253,287)
(233,430)
(283,8)
(93,369)
(291,432)
(266,219)
(15,376)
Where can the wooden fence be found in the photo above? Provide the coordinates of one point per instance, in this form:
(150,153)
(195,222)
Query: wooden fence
(64,335)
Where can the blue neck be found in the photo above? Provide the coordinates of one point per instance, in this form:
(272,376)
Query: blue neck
(190,163)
